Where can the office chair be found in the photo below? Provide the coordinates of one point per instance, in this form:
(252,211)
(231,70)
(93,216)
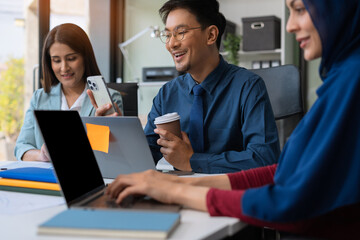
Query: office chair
(284,90)
(129,96)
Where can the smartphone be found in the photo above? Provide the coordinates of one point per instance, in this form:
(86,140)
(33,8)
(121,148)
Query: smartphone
(101,93)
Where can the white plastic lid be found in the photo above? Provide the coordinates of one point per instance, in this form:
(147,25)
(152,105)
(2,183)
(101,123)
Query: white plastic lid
(169,117)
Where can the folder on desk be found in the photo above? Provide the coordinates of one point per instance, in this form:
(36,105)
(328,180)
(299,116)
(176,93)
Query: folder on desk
(29,184)
(30,190)
(30,180)
(31,174)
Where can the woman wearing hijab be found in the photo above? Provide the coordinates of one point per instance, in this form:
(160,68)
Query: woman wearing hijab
(315,188)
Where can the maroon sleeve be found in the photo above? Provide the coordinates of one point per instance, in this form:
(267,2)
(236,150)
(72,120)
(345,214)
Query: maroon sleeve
(251,178)
(228,203)
(342,222)
(224,202)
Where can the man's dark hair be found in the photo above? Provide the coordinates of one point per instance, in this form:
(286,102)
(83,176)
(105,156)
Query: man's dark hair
(206,12)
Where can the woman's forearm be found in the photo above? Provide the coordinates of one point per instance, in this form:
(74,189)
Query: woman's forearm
(218,181)
(31,155)
(190,196)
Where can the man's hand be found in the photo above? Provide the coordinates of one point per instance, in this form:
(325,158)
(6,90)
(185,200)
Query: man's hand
(175,150)
(100,111)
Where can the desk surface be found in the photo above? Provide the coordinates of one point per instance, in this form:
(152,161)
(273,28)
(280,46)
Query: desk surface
(194,225)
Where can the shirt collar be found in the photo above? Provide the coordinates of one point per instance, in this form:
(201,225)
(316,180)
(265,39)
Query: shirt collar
(211,80)
(77,104)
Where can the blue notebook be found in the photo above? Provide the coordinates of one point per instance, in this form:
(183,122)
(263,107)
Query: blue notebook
(30,174)
(106,223)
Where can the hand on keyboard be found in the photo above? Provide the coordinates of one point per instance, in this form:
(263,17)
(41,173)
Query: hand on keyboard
(127,202)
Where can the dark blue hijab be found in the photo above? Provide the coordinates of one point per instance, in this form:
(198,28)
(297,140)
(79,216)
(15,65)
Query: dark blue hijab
(319,168)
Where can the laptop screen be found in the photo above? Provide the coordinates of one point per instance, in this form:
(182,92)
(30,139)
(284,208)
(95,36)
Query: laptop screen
(128,150)
(70,152)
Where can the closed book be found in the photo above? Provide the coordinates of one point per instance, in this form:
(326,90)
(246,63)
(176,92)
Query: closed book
(31,174)
(29,184)
(112,223)
(30,190)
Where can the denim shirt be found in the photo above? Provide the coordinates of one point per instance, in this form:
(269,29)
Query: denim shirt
(239,127)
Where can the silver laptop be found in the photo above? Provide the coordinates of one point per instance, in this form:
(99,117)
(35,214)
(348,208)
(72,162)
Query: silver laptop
(75,166)
(128,150)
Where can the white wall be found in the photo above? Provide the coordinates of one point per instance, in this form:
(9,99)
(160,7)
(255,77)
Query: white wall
(314,81)
(234,10)
(99,33)
(144,51)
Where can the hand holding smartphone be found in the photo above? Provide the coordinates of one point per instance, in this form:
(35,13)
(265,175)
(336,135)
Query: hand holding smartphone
(101,93)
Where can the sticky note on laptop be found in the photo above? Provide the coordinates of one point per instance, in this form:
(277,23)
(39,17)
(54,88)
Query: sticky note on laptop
(98,136)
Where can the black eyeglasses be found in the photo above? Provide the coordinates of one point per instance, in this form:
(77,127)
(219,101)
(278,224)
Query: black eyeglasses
(178,34)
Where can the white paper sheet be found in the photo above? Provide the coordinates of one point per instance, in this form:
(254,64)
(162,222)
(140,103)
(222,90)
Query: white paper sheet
(15,203)
(21,164)
(164,165)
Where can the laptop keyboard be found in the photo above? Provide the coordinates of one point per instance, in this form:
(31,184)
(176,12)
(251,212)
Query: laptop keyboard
(128,202)
(132,202)
(111,204)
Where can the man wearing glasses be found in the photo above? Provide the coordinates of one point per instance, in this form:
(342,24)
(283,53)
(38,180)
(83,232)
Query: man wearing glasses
(226,117)
(237,128)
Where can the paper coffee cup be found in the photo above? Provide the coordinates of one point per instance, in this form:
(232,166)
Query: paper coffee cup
(170,122)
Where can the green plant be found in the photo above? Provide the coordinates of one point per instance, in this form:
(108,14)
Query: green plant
(12,98)
(232,46)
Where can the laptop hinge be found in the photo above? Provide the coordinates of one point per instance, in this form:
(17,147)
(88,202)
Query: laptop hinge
(93,194)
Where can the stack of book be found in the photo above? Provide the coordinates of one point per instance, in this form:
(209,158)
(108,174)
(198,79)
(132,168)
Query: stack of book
(30,180)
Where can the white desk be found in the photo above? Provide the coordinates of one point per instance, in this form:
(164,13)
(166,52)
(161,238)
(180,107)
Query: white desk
(194,225)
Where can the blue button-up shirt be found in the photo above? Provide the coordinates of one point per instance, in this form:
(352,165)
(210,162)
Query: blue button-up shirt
(239,126)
